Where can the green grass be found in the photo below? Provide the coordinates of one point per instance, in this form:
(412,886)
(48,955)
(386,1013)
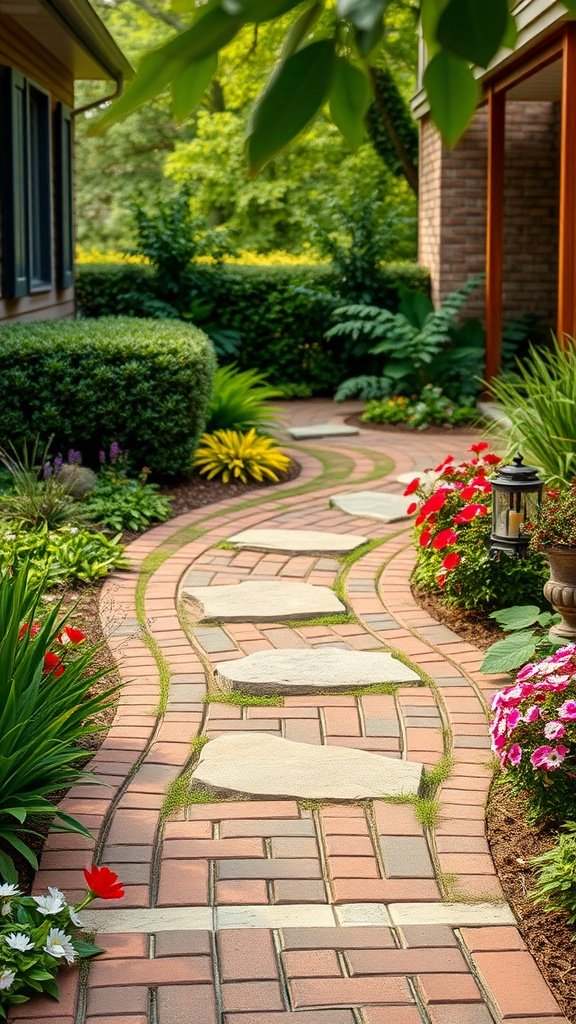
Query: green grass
(339,619)
(225,545)
(427,812)
(351,557)
(245,700)
(386,689)
(435,776)
(182,791)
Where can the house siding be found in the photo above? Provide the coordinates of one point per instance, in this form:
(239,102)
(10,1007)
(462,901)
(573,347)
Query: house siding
(452,217)
(22,52)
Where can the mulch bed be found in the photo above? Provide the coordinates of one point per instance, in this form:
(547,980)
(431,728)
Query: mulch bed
(196,491)
(402,428)
(512,841)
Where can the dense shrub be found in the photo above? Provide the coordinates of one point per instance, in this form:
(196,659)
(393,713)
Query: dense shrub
(90,382)
(280,313)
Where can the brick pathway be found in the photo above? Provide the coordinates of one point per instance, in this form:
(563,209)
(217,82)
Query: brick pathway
(266,912)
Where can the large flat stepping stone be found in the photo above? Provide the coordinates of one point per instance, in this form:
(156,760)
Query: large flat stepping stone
(322,430)
(296,542)
(311,670)
(263,600)
(388,508)
(262,765)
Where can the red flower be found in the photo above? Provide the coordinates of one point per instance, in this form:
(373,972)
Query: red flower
(412,486)
(469,512)
(425,538)
(468,492)
(412,508)
(552,494)
(71,635)
(104,883)
(449,458)
(480,446)
(492,459)
(444,538)
(441,579)
(52,665)
(451,561)
(33,630)
(435,502)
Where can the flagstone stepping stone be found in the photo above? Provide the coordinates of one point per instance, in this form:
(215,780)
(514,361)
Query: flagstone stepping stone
(427,477)
(322,430)
(309,670)
(388,508)
(263,600)
(262,765)
(298,541)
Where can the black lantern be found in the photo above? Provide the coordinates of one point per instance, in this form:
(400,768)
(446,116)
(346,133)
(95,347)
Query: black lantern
(516,495)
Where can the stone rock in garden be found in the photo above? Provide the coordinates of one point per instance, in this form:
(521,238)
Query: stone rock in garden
(78,480)
(297,541)
(311,670)
(388,508)
(322,430)
(261,765)
(262,600)
(427,478)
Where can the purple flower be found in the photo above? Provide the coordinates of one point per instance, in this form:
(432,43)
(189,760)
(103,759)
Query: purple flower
(74,457)
(101,457)
(47,470)
(115,451)
(58,462)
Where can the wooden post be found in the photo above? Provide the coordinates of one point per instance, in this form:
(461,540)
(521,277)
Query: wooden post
(567,240)
(495,230)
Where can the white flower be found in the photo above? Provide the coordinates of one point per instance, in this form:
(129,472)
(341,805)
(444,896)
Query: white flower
(73,530)
(9,536)
(5,910)
(19,941)
(58,944)
(53,903)
(6,979)
(75,918)
(9,890)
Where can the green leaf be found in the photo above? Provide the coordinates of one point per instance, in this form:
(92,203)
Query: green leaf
(153,76)
(519,616)
(364,14)
(472,30)
(349,100)
(511,34)
(430,11)
(300,28)
(367,39)
(8,870)
(570,6)
(453,93)
(190,84)
(86,949)
(510,653)
(295,93)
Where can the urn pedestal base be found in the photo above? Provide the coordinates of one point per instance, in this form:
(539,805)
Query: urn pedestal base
(560,589)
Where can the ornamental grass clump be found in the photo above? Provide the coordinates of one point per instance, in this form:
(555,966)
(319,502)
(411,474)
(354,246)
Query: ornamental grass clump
(41,934)
(533,731)
(452,508)
(232,456)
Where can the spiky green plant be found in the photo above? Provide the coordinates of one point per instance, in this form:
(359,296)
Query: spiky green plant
(232,455)
(240,400)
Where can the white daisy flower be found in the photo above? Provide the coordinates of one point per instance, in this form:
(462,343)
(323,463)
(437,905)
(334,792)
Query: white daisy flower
(59,945)
(7,889)
(19,941)
(53,903)
(6,979)
(75,918)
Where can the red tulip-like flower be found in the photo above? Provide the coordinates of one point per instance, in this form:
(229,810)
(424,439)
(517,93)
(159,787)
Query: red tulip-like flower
(103,883)
(412,486)
(33,630)
(492,459)
(425,538)
(433,504)
(71,635)
(480,446)
(451,561)
(444,539)
(412,508)
(52,665)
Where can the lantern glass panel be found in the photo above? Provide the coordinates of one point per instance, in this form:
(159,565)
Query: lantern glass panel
(502,509)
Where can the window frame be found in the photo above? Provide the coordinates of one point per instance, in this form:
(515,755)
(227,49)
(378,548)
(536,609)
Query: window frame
(40,162)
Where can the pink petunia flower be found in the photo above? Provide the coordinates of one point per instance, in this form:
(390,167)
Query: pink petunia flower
(548,758)
(554,730)
(515,754)
(512,718)
(527,672)
(567,712)
(532,714)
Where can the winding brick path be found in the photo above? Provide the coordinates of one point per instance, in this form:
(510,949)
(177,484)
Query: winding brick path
(271,912)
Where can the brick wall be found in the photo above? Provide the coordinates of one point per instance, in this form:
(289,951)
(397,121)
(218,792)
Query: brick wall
(452,228)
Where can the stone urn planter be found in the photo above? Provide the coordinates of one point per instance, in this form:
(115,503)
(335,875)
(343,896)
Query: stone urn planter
(560,589)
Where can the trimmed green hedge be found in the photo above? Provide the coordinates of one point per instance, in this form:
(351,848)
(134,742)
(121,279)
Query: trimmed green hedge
(143,383)
(280,313)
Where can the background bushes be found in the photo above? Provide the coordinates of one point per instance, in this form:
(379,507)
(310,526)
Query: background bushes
(279,313)
(144,383)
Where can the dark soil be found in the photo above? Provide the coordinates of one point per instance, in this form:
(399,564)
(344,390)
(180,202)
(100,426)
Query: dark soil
(513,841)
(403,428)
(196,491)
(547,935)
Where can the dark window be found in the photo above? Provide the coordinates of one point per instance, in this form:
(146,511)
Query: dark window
(64,215)
(26,187)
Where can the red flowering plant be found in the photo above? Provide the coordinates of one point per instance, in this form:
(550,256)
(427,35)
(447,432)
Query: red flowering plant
(533,730)
(41,934)
(452,508)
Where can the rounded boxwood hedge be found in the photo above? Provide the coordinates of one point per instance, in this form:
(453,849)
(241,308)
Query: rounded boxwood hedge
(143,383)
